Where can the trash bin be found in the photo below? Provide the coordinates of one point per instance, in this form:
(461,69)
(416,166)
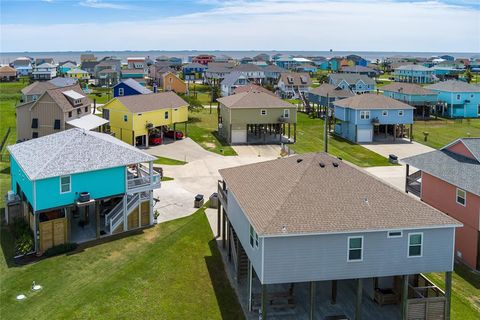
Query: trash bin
(392,158)
(198,201)
(214,200)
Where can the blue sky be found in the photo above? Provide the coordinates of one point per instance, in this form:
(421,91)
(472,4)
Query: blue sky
(384,25)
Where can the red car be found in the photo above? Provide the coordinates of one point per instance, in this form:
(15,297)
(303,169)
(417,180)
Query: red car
(155,139)
(171,133)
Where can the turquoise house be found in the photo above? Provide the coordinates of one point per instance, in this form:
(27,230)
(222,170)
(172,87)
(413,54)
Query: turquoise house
(424,100)
(368,117)
(66,66)
(414,73)
(460,99)
(76,186)
(136,74)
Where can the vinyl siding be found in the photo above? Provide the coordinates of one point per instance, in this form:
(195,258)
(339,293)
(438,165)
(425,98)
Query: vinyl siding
(324,257)
(18,176)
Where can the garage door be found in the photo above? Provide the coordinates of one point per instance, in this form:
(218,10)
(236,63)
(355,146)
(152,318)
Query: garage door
(364,135)
(239,136)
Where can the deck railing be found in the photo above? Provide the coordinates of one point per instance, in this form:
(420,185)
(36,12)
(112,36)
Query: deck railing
(414,184)
(222,194)
(144,179)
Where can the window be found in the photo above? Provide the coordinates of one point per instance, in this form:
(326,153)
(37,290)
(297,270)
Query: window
(125,118)
(34,98)
(79,110)
(34,123)
(286,113)
(364,115)
(461,197)
(166,115)
(120,91)
(253,238)
(385,113)
(458,97)
(65,184)
(56,124)
(86,109)
(415,244)
(106,114)
(34,135)
(70,114)
(400,113)
(355,248)
(394,234)
(263,112)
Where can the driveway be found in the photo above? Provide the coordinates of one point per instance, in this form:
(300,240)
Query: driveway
(395,175)
(185,150)
(272,151)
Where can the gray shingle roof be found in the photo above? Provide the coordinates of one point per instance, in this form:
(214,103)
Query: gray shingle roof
(454,86)
(371,101)
(351,78)
(408,88)
(231,78)
(453,168)
(413,67)
(333,92)
(254,99)
(152,101)
(284,196)
(473,145)
(358,69)
(74,151)
(63,82)
(136,86)
(297,78)
(37,87)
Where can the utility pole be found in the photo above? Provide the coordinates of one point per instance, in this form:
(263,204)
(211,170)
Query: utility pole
(325,130)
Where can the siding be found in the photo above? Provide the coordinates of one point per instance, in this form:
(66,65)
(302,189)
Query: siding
(101,183)
(242,228)
(324,257)
(18,176)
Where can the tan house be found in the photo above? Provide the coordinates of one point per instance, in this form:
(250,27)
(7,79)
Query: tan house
(256,117)
(170,82)
(56,110)
(7,73)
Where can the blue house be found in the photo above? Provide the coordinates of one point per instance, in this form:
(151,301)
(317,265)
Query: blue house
(359,61)
(77,185)
(424,100)
(460,99)
(23,65)
(357,83)
(325,94)
(414,73)
(193,71)
(368,117)
(129,87)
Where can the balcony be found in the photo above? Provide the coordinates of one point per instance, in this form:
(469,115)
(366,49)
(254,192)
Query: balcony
(222,194)
(139,178)
(414,183)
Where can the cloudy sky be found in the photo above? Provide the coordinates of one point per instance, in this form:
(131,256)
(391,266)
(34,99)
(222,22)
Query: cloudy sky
(367,25)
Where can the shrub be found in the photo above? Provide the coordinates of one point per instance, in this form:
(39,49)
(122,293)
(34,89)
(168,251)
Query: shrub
(24,243)
(60,249)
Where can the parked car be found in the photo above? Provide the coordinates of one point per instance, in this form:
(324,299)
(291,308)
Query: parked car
(171,133)
(155,139)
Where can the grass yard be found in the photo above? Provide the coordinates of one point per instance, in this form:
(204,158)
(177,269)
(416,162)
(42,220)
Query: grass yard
(101,95)
(168,161)
(202,128)
(310,139)
(171,271)
(443,131)
(465,292)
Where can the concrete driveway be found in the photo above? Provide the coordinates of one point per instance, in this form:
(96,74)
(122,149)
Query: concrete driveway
(185,150)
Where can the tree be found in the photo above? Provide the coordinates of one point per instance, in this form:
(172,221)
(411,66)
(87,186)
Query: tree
(193,103)
(468,75)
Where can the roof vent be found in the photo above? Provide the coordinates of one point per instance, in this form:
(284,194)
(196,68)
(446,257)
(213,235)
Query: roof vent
(366,200)
(322,165)
(299,160)
(335,164)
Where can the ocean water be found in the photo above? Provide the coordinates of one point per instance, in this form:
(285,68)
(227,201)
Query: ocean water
(7,57)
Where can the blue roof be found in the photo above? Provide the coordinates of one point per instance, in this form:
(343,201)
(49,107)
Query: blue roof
(135,86)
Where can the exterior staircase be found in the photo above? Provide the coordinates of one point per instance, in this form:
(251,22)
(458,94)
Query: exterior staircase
(114,218)
(239,256)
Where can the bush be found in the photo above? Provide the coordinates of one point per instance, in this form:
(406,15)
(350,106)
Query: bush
(24,243)
(60,249)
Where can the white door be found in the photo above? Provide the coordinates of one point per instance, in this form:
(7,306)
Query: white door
(364,135)
(239,136)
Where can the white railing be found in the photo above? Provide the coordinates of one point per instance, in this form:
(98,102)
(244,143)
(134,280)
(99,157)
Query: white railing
(115,218)
(118,208)
(144,179)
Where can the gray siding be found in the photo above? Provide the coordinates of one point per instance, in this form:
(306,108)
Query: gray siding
(324,257)
(242,228)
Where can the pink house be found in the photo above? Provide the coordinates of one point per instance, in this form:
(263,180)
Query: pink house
(449,180)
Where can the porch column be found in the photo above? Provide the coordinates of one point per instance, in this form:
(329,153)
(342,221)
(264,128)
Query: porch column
(219,219)
(405,298)
(394,132)
(186,129)
(250,280)
(334,291)
(125,220)
(358,306)
(35,233)
(295,132)
(312,299)
(448,293)
(174,132)
(264,302)
(229,243)
(411,132)
(406,177)
(223,229)
(289,132)
(150,204)
(97,218)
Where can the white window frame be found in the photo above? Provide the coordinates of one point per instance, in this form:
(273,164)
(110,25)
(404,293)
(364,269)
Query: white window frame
(349,249)
(400,113)
(421,244)
(253,238)
(286,113)
(385,113)
(121,92)
(165,115)
(464,204)
(395,236)
(69,184)
(364,115)
(263,112)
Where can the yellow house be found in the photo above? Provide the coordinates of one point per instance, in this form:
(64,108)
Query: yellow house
(133,117)
(78,74)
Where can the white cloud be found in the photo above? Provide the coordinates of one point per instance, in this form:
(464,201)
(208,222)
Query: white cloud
(103,5)
(272,25)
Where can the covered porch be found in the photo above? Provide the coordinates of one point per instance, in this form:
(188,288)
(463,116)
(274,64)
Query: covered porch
(271,133)
(391,132)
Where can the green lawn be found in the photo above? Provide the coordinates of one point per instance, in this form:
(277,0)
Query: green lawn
(101,95)
(168,161)
(443,131)
(465,292)
(171,271)
(202,128)
(310,139)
